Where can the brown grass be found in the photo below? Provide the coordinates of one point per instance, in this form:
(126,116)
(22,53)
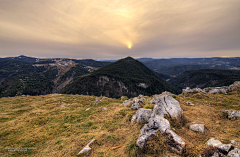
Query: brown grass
(41,122)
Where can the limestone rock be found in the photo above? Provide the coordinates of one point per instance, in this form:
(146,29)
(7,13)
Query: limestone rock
(189,103)
(213,142)
(197,128)
(86,148)
(235,142)
(104,109)
(187,90)
(177,142)
(216,90)
(232,114)
(235,86)
(150,129)
(142,115)
(224,147)
(170,107)
(127,102)
(234,153)
(135,105)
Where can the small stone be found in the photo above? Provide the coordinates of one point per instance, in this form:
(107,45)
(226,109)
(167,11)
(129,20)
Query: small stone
(86,148)
(87,109)
(189,103)
(104,109)
(213,142)
(197,128)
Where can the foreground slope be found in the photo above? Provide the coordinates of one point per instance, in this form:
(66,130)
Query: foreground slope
(125,77)
(61,125)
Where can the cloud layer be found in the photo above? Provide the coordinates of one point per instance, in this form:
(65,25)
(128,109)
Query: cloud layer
(106,29)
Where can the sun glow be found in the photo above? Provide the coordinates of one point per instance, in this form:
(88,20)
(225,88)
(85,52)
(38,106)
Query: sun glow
(129,45)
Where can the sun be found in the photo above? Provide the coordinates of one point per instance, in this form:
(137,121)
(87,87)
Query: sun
(129,46)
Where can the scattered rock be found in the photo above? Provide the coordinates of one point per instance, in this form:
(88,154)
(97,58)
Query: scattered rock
(86,148)
(189,103)
(235,86)
(235,143)
(234,153)
(177,143)
(104,109)
(135,105)
(187,90)
(87,109)
(127,102)
(142,115)
(62,106)
(224,147)
(97,101)
(232,114)
(122,97)
(213,142)
(217,90)
(197,128)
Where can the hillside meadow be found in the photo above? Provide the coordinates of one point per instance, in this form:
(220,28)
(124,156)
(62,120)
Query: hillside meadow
(61,125)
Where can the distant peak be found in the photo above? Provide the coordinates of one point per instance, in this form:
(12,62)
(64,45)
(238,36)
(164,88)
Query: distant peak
(129,58)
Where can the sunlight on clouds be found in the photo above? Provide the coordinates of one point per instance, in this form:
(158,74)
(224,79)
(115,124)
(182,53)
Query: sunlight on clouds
(153,26)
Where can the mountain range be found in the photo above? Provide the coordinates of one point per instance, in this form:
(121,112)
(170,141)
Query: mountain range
(24,75)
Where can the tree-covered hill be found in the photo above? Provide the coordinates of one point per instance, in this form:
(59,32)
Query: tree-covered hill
(206,78)
(125,77)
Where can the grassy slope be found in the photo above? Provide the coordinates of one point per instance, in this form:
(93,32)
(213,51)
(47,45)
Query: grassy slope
(42,122)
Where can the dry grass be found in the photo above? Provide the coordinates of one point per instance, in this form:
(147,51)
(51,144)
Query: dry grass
(43,123)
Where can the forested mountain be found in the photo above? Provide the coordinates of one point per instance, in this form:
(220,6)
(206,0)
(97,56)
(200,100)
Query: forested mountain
(206,78)
(125,77)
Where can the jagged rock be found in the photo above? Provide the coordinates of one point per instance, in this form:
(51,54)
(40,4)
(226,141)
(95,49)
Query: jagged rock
(142,115)
(167,93)
(234,153)
(216,90)
(189,103)
(224,147)
(158,122)
(235,86)
(232,114)
(150,129)
(216,143)
(86,148)
(127,102)
(170,107)
(135,105)
(187,90)
(213,142)
(197,90)
(136,100)
(177,143)
(235,143)
(197,128)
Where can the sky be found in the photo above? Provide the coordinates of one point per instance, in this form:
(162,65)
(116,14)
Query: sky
(111,29)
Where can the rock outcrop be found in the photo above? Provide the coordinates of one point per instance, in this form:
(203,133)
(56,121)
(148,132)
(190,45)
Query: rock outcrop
(164,105)
(142,115)
(214,90)
(232,114)
(127,102)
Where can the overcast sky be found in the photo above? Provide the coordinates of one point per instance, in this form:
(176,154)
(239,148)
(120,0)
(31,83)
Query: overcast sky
(108,29)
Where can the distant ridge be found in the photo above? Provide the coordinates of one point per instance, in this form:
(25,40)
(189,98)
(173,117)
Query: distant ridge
(126,76)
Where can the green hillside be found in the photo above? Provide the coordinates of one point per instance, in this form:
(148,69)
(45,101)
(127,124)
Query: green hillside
(206,78)
(124,77)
